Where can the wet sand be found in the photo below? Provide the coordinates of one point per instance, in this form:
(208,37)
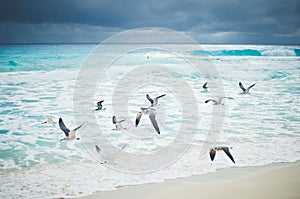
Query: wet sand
(276,181)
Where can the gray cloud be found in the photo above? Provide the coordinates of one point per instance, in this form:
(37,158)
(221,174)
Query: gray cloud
(231,21)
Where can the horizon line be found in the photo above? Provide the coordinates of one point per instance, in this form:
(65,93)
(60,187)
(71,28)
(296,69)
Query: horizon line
(96,43)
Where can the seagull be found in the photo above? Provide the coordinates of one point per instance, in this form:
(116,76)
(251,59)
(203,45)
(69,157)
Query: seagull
(155,100)
(99,106)
(213,151)
(151,113)
(117,123)
(49,120)
(70,135)
(110,159)
(219,101)
(205,86)
(245,91)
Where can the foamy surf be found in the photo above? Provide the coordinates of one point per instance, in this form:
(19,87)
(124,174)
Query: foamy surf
(262,127)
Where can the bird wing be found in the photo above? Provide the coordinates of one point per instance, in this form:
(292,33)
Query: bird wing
(100,102)
(114,119)
(123,147)
(241,86)
(153,121)
(77,128)
(215,101)
(150,99)
(138,118)
(63,127)
(212,154)
(97,149)
(226,150)
(250,86)
(205,85)
(156,99)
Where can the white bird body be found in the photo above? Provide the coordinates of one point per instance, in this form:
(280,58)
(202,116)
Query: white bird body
(111,158)
(117,123)
(212,152)
(219,101)
(99,105)
(147,111)
(49,120)
(245,90)
(70,135)
(154,101)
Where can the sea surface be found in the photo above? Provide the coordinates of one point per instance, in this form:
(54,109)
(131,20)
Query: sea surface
(262,127)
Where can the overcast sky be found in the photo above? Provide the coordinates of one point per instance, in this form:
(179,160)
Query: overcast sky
(207,21)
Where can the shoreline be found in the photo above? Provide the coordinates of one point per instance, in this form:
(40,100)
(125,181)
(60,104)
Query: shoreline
(276,180)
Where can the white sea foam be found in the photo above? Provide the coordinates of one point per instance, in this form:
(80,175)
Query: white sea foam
(262,127)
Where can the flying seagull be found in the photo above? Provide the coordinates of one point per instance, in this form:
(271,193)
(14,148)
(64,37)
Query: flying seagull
(213,151)
(110,159)
(99,106)
(219,101)
(151,113)
(117,123)
(205,86)
(49,120)
(245,91)
(70,135)
(155,100)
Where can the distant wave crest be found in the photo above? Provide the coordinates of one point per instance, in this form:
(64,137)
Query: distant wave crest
(248,52)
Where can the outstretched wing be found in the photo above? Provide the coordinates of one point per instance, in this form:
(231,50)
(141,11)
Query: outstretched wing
(150,99)
(241,86)
(77,127)
(205,85)
(210,100)
(123,147)
(251,86)
(97,149)
(160,96)
(63,127)
(153,121)
(100,102)
(212,154)
(156,99)
(226,150)
(121,120)
(138,118)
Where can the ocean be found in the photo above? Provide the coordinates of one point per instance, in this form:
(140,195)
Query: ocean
(37,80)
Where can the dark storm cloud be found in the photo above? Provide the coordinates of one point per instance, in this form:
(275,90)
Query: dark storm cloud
(245,21)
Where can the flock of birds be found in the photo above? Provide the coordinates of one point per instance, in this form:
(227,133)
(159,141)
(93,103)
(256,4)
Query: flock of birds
(150,111)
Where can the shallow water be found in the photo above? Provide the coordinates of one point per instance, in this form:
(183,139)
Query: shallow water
(38,80)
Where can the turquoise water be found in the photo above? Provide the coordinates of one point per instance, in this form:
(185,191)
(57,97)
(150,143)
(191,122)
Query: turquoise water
(38,80)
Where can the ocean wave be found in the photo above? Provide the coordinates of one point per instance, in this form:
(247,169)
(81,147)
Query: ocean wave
(31,154)
(248,52)
(279,53)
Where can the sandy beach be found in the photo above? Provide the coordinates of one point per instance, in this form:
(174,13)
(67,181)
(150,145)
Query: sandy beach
(280,180)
